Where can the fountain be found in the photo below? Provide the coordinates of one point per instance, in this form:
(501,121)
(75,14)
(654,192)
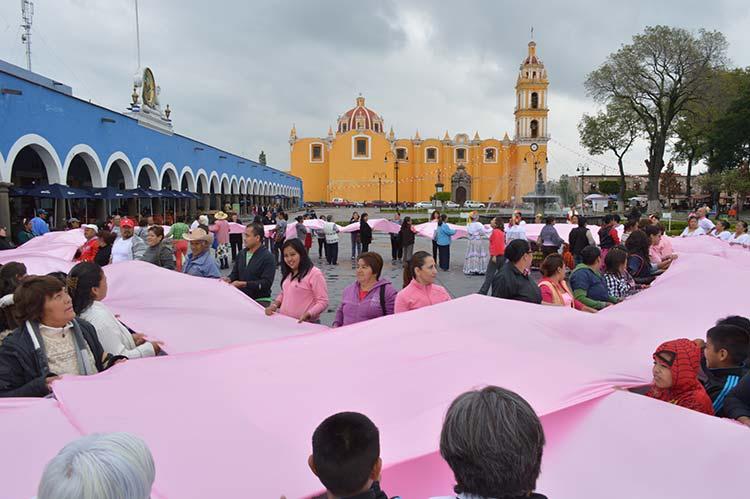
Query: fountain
(540,199)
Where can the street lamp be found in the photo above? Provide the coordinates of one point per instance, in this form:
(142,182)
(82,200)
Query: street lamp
(380,176)
(395,170)
(583,168)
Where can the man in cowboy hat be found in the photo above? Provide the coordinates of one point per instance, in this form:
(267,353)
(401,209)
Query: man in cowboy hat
(199,262)
(128,246)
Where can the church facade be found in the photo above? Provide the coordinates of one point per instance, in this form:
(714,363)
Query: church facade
(360,161)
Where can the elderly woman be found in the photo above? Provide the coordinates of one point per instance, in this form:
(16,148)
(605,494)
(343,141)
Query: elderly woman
(369,296)
(493,440)
(50,342)
(200,262)
(100,466)
(477,256)
(554,289)
(87,286)
(159,251)
(693,229)
(740,235)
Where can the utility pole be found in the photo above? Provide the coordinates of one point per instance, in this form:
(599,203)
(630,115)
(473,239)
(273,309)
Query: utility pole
(27,15)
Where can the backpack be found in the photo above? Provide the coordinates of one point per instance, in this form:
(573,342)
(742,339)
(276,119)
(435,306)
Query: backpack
(382,299)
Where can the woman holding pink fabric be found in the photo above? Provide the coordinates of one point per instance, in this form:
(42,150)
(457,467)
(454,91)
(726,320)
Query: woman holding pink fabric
(304,293)
(221,230)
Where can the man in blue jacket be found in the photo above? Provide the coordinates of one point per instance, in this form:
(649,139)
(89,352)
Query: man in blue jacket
(39,225)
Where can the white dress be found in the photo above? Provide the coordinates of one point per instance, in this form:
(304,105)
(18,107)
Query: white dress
(744,239)
(114,337)
(696,232)
(477,252)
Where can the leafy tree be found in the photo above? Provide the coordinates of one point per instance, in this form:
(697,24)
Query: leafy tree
(729,139)
(442,196)
(669,186)
(711,183)
(613,187)
(737,182)
(262,158)
(612,130)
(658,75)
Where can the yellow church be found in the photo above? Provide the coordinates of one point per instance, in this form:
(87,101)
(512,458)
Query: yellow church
(361,162)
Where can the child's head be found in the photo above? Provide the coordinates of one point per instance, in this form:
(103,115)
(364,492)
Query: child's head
(346,453)
(726,346)
(676,365)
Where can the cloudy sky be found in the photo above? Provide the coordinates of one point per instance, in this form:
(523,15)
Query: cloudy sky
(238,73)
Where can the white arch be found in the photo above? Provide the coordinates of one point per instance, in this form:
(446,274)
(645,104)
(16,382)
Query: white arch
(174,177)
(213,181)
(243,186)
(92,161)
(201,178)
(151,170)
(225,184)
(234,185)
(192,186)
(45,151)
(120,158)
(253,186)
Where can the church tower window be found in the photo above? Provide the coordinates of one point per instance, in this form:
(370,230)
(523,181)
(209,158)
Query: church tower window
(534,129)
(401,153)
(461,154)
(316,153)
(344,127)
(377,128)
(490,155)
(361,147)
(431,155)
(534,100)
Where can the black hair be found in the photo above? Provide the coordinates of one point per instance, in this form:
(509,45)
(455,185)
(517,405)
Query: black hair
(733,339)
(257,229)
(629,225)
(60,276)
(549,220)
(616,218)
(515,250)
(299,218)
(637,244)
(364,215)
(614,260)
(305,264)
(742,223)
(581,221)
(83,277)
(652,230)
(551,264)
(417,261)
(442,219)
(736,320)
(345,449)
(723,223)
(11,275)
(589,254)
(607,219)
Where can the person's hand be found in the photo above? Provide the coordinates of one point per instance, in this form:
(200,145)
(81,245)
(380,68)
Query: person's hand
(157,346)
(744,420)
(139,339)
(590,310)
(239,284)
(305,317)
(49,380)
(700,343)
(271,309)
(226,279)
(674,256)
(121,361)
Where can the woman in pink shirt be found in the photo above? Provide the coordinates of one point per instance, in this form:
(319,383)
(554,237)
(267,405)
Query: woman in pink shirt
(221,229)
(419,290)
(304,293)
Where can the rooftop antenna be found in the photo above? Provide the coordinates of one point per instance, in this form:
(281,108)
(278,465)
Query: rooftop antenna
(27,15)
(138,35)
(532,33)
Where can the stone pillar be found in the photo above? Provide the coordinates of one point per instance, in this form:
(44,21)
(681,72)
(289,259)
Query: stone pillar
(193,210)
(5,206)
(101,210)
(156,206)
(60,214)
(132,207)
(206,202)
(218,202)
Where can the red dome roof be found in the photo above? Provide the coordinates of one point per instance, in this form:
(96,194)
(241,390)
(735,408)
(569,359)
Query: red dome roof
(370,116)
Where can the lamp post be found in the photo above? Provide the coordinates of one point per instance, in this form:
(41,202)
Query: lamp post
(583,168)
(395,170)
(380,176)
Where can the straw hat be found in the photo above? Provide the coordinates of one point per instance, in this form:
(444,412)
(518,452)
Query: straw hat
(199,234)
(220,215)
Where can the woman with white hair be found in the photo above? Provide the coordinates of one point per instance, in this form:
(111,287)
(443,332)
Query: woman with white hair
(100,466)
(477,254)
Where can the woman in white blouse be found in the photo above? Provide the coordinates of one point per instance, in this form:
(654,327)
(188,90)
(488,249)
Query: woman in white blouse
(692,229)
(740,235)
(87,285)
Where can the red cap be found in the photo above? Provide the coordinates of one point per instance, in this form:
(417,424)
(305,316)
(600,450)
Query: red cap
(127,222)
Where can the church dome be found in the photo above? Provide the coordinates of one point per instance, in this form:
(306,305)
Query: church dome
(360,118)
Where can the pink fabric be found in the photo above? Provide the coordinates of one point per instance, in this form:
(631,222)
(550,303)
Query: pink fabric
(416,296)
(308,295)
(221,229)
(257,403)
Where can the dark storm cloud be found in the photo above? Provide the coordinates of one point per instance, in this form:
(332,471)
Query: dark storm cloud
(237,74)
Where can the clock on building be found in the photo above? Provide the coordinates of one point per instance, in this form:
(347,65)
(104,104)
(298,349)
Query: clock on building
(534,147)
(149,88)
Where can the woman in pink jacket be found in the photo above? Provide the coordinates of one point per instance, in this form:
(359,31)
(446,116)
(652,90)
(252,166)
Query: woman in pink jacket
(419,290)
(304,293)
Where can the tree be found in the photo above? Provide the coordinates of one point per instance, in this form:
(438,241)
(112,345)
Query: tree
(442,196)
(612,130)
(563,189)
(262,158)
(663,71)
(669,187)
(737,182)
(613,187)
(729,139)
(712,183)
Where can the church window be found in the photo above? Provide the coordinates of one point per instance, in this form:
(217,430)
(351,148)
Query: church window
(534,100)
(534,129)
(431,154)
(377,128)
(490,155)
(361,147)
(401,153)
(461,154)
(533,75)
(360,123)
(316,152)
(344,127)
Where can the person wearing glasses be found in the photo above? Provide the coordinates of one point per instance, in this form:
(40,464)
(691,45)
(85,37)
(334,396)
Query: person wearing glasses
(512,282)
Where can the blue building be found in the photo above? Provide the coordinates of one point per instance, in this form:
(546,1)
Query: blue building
(48,136)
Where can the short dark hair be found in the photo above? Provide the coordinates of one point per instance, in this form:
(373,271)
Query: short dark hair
(83,277)
(493,441)
(652,230)
(733,339)
(736,320)
(589,254)
(616,218)
(581,221)
(607,219)
(257,229)
(158,230)
(346,447)
(629,225)
(10,277)
(549,220)
(550,264)
(107,236)
(644,222)
(374,261)
(515,250)
(614,259)
(31,295)
(723,223)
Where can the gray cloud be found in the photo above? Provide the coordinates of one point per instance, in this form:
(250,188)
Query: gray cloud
(238,74)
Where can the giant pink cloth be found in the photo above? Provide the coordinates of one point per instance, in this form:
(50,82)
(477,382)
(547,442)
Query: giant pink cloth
(237,421)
